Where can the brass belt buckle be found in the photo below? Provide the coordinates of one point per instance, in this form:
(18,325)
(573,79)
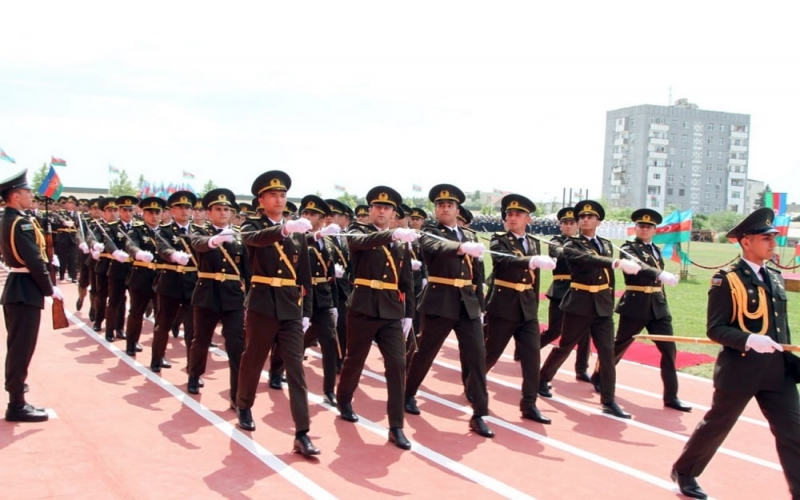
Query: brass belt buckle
(458,282)
(376,284)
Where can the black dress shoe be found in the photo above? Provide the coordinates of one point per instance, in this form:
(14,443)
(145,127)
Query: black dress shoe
(109,337)
(79,304)
(305,447)
(411,406)
(121,335)
(688,485)
(677,404)
(165,363)
(25,388)
(478,425)
(155,367)
(91,315)
(25,413)
(583,377)
(194,386)
(97,328)
(130,351)
(595,380)
(246,419)
(398,438)
(275,383)
(330,398)
(200,382)
(614,409)
(138,347)
(533,413)
(544,389)
(213,344)
(346,412)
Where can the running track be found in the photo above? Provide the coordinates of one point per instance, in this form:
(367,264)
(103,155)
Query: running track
(119,431)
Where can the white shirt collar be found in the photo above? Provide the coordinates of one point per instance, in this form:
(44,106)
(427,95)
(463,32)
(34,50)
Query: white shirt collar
(755,267)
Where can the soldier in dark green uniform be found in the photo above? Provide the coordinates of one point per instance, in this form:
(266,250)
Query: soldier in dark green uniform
(747,315)
(104,258)
(22,245)
(120,267)
(343,284)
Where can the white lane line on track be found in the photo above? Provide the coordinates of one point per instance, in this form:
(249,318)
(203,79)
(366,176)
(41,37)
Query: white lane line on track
(480,478)
(642,392)
(633,423)
(262,454)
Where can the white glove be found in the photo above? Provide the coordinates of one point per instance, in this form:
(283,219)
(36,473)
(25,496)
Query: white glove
(95,255)
(628,266)
(415,265)
(542,262)
(404,234)
(668,278)
(180,258)
(98,247)
(424,282)
(55,261)
(300,225)
(335,314)
(472,248)
(69,223)
(84,247)
(407,323)
(57,294)
(331,230)
(483,318)
(144,256)
(762,344)
(120,256)
(338,270)
(306,324)
(222,237)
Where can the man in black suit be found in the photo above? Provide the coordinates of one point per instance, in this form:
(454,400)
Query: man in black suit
(22,244)
(747,315)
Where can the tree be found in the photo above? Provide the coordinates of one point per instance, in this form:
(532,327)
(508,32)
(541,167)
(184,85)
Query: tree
(760,198)
(208,186)
(722,222)
(122,185)
(350,200)
(476,196)
(39,176)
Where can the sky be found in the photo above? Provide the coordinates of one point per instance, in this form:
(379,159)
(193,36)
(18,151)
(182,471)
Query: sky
(508,96)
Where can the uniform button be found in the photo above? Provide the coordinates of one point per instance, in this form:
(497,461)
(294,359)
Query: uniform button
(776,314)
(280,271)
(387,263)
(778,330)
(462,273)
(384,275)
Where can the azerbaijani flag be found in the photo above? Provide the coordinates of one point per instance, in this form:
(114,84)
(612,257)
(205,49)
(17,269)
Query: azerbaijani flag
(797,254)
(339,187)
(112,169)
(51,185)
(4,156)
(781,223)
(57,162)
(416,188)
(630,231)
(775,201)
(188,175)
(676,228)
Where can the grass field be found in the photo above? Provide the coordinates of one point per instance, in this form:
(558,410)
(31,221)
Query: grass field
(688,300)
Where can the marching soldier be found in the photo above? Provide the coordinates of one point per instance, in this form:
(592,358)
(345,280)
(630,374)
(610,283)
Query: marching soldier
(380,308)
(343,283)
(199,215)
(104,258)
(453,300)
(22,244)
(644,303)
(66,239)
(86,269)
(119,268)
(289,211)
(222,278)
(589,303)
(362,214)
(747,315)
(512,309)
(418,270)
(279,305)
(558,288)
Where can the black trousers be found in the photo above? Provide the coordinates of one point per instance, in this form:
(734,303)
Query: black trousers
(526,334)
(133,329)
(100,298)
(68,255)
(628,327)
(84,272)
(323,329)
(170,309)
(555,319)
(782,411)
(115,310)
(22,325)
(472,351)
(575,328)
(261,332)
(205,321)
(388,333)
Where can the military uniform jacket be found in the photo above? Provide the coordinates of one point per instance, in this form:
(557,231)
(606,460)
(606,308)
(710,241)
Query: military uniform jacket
(143,274)
(588,268)
(376,257)
(422,273)
(636,303)
(561,277)
(272,255)
(100,228)
(117,240)
(443,261)
(506,302)
(213,294)
(179,282)
(322,272)
(341,256)
(738,369)
(22,244)
(62,233)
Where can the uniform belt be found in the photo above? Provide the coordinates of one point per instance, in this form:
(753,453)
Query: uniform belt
(269,280)
(644,289)
(376,284)
(177,269)
(19,270)
(589,288)
(456,282)
(66,230)
(520,287)
(107,255)
(317,281)
(219,276)
(148,265)
(561,277)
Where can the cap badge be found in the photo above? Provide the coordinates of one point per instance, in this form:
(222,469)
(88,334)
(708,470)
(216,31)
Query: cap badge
(569,215)
(514,204)
(383,196)
(183,200)
(222,197)
(444,193)
(275,183)
(587,207)
(311,204)
(645,218)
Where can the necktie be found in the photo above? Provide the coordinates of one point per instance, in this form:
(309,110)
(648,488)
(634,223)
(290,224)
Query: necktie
(765,277)
(597,245)
(183,230)
(522,244)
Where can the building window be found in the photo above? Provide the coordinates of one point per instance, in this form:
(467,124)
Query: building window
(681,192)
(656,176)
(721,141)
(710,127)
(737,142)
(674,123)
(683,163)
(708,194)
(653,190)
(685,124)
(683,153)
(736,194)
(669,191)
(670,177)
(654,202)
(709,167)
(719,181)
(684,138)
(722,128)
(710,140)
(632,122)
(720,155)
(720,168)
(708,181)
(709,154)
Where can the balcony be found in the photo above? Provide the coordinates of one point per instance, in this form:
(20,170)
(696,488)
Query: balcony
(657,156)
(620,142)
(739,135)
(738,149)
(736,161)
(659,142)
(659,127)
(619,156)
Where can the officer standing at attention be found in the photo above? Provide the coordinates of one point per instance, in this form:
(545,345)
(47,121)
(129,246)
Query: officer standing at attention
(22,245)
(747,315)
